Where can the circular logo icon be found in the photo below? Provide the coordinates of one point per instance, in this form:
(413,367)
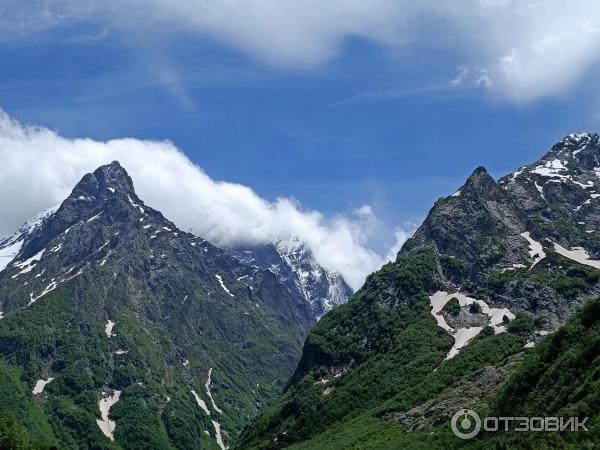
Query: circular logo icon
(465,423)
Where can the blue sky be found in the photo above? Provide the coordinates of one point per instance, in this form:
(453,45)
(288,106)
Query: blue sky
(363,117)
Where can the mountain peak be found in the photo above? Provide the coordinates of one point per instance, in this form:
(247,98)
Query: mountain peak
(580,137)
(479,171)
(102,183)
(581,150)
(479,180)
(113,176)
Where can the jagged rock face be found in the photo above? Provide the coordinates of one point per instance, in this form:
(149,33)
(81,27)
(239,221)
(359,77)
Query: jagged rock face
(11,246)
(543,216)
(439,411)
(559,193)
(412,346)
(103,256)
(296,268)
(479,224)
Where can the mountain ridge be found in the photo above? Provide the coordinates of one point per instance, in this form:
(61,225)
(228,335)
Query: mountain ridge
(126,313)
(494,268)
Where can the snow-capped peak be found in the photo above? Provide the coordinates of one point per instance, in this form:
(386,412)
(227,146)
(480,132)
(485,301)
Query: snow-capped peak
(322,289)
(10,247)
(578,137)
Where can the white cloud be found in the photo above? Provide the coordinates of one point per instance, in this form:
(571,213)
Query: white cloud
(527,49)
(39,169)
(400,237)
(461,76)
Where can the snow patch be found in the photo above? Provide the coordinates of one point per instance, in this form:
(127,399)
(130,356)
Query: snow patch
(536,251)
(105,258)
(516,174)
(53,285)
(577,254)
(540,189)
(108,328)
(589,185)
(514,266)
(106,425)
(8,253)
(40,385)
(551,169)
(218,436)
(135,205)
(438,301)
(29,264)
(462,336)
(201,403)
(56,249)
(218,277)
(212,400)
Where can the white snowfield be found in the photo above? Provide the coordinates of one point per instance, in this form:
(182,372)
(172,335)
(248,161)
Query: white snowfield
(462,336)
(218,277)
(11,247)
(551,169)
(536,251)
(577,254)
(201,403)
(8,253)
(40,385)
(209,393)
(106,425)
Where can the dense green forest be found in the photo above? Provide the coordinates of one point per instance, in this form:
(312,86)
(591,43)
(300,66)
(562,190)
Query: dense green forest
(389,339)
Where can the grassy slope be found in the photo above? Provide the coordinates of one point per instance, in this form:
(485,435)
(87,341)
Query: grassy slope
(388,336)
(82,360)
(393,344)
(559,377)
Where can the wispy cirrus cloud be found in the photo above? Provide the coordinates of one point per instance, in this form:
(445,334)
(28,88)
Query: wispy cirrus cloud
(517,50)
(381,95)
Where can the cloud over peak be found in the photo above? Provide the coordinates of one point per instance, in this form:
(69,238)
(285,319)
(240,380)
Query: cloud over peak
(39,169)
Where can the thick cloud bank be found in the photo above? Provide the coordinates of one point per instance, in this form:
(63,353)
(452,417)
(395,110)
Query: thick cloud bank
(520,49)
(39,169)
